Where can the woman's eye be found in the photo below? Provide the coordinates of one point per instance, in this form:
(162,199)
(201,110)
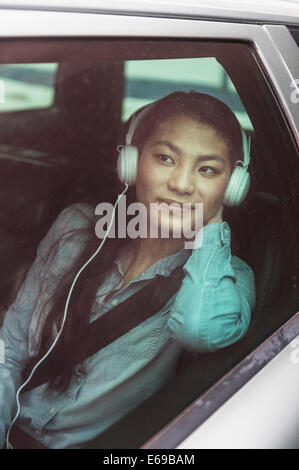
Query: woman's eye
(207,170)
(164,158)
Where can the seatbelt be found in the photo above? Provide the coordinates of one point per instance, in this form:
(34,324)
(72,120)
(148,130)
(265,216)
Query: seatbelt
(109,327)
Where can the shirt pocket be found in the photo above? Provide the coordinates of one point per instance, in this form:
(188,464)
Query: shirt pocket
(38,416)
(39,408)
(129,354)
(40,420)
(141,341)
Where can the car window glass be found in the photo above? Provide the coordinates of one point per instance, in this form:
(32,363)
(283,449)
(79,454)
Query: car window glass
(26,86)
(50,155)
(295,33)
(148,80)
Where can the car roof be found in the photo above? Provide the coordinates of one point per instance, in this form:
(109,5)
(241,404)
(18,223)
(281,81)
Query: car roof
(275,11)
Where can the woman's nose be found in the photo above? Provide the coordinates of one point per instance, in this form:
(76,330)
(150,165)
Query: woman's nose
(181,180)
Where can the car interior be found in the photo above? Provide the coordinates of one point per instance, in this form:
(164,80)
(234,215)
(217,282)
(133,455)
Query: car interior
(56,155)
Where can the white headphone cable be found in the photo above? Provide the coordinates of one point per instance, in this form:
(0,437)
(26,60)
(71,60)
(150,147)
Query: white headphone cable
(8,445)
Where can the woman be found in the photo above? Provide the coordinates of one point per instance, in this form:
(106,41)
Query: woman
(188,144)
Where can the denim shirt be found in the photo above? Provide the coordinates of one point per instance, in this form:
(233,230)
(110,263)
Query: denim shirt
(212,309)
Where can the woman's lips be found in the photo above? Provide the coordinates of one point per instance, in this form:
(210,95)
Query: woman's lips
(176,206)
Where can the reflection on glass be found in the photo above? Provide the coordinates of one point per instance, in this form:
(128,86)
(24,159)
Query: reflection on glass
(148,80)
(26,86)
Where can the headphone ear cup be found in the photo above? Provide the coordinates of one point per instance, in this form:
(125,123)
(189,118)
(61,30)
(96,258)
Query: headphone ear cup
(237,187)
(127,164)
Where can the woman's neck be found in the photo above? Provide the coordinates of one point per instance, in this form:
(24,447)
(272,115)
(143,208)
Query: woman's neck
(144,252)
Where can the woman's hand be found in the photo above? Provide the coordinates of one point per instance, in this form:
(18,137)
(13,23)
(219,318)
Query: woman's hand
(217,218)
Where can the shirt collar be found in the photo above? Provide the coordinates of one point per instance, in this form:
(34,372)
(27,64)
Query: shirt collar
(162,267)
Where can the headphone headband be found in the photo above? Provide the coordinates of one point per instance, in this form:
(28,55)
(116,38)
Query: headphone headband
(246,142)
(136,118)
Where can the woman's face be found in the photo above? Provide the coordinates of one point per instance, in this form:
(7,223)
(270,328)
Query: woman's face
(183,161)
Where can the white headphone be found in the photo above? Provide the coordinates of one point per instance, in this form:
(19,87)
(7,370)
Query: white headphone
(237,187)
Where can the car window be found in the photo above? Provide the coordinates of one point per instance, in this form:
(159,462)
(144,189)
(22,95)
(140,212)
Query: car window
(148,80)
(65,114)
(26,86)
(295,33)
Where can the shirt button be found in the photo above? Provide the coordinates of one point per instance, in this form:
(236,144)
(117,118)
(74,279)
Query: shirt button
(114,302)
(52,410)
(38,432)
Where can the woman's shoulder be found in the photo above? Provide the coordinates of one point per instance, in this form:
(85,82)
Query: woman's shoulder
(67,235)
(76,215)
